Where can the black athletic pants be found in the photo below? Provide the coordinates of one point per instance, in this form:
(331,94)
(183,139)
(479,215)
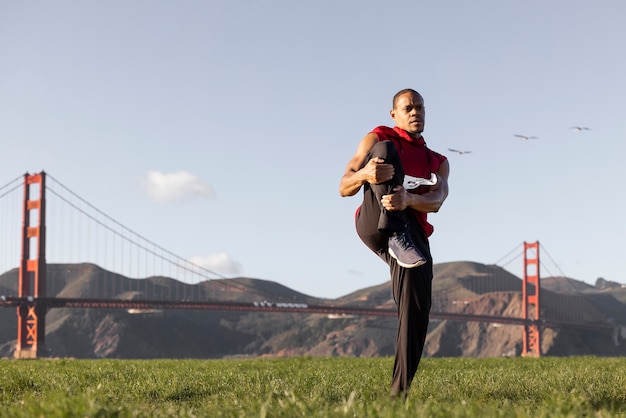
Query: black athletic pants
(411,288)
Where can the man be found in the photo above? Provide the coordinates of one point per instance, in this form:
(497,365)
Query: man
(390,164)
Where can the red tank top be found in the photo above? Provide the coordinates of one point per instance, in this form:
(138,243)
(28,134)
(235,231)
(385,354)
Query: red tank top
(417,161)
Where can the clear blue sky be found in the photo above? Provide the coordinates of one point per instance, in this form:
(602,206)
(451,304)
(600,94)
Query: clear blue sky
(220,129)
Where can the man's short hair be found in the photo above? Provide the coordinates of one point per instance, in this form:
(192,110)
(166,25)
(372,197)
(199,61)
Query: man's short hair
(400,93)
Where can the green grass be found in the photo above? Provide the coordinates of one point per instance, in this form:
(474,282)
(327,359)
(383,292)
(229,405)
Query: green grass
(312,387)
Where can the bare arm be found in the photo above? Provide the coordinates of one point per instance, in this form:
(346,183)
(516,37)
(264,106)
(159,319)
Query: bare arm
(356,175)
(430,201)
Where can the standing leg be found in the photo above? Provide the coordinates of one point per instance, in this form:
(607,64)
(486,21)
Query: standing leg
(412,292)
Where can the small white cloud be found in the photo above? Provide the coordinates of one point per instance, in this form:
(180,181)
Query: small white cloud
(220,263)
(172,187)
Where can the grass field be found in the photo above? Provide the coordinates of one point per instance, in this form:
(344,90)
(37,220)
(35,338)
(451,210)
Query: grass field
(312,387)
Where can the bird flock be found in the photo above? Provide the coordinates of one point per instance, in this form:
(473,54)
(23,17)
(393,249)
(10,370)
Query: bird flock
(523,138)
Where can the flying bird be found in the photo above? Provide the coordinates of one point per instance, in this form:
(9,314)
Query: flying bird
(580,128)
(459,152)
(524,137)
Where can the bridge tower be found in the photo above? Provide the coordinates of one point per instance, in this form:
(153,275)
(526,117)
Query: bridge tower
(530,301)
(31,323)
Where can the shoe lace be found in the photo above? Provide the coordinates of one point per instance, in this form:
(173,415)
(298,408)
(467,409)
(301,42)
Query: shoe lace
(405,241)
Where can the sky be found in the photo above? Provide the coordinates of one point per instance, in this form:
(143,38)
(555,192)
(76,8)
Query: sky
(220,129)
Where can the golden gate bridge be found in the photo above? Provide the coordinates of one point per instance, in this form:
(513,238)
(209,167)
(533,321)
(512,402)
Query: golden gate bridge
(52,233)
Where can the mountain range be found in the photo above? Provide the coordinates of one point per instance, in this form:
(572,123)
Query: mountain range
(462,287)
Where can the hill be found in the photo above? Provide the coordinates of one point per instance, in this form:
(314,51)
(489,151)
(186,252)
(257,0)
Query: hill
(462,287)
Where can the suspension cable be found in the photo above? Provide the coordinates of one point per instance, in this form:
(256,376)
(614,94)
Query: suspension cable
(517,248)
(198,267)
(17,186)
(543,250)
(133,241)
(11,182)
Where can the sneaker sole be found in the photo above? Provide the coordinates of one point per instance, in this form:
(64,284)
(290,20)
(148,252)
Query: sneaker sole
(407,266)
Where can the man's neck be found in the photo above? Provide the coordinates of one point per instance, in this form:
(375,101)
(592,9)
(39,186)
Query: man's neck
(417,135)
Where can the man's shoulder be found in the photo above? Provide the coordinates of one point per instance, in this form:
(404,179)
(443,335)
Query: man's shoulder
(438,155)
(384,132)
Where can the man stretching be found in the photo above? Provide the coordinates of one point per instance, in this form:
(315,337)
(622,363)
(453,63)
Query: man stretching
(403,180)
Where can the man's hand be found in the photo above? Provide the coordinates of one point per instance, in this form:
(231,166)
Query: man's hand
(376,171)
(398,200)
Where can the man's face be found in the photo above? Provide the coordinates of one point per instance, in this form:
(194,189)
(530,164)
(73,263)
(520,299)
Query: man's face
(409,113)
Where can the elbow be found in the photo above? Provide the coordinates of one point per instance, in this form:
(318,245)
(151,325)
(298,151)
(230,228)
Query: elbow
(435,205)
(344,193)
(438,204)
(345,190)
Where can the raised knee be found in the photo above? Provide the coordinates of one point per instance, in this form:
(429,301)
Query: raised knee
(383,149)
